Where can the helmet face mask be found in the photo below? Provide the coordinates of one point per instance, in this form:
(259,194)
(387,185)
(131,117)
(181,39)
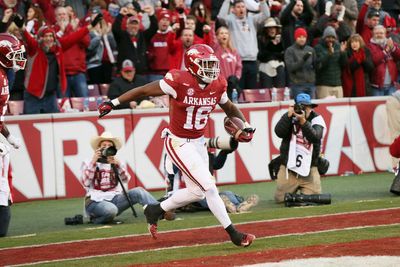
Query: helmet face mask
(202,63)
(17,58)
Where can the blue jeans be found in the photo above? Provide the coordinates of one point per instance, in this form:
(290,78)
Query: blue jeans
(106,211)
(307,88)
(249,75)
(76,85)
(235,199)
(34,105)
(383,91)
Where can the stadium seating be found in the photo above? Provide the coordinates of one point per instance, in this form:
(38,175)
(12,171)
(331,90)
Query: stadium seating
(255,95)
(93,90)
(16,107)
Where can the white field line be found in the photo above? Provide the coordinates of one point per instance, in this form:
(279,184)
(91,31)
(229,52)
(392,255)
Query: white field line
(199,245)
(196,228)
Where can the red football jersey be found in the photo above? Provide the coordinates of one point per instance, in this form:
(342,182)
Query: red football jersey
(4,93)
(190,104)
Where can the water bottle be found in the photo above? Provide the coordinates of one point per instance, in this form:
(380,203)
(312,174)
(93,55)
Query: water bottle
(86,104)
(99,101)
(286,94)
(235,96)
(274,94)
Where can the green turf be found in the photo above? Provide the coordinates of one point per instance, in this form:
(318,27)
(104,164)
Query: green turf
(44,220)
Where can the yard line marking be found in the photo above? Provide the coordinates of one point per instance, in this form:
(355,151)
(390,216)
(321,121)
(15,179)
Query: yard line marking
(199,245)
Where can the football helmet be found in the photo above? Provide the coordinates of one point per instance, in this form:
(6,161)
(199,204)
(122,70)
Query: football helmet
(201,62)
(11,52)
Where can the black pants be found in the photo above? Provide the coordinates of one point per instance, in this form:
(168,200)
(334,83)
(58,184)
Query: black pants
(5,216)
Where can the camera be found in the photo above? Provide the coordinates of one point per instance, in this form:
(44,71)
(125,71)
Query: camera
(77,219)
(298,108)
(109,151)
(223,143)
(292,200)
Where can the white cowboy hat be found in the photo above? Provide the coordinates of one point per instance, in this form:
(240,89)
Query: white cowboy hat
(96,140)
(271,22)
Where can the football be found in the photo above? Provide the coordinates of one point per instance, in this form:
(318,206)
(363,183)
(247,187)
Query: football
(234,126)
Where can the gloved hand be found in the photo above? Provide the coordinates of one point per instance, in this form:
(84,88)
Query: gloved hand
(105,108)
(18,20)
(306,56)
(14,141)
(247,135)
(96,20)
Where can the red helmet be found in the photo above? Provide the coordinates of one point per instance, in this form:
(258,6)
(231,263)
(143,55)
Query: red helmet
(201,62)
(11,52)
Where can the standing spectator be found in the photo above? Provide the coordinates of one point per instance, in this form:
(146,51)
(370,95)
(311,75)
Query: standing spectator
(190,23)
(393,115)
(99,55)
(298,13)
(104,194)
(392,7)
(34,19)
(244,36)
(385,53)
(202,15)
(376,5)
(158,48)
(365,28)
(300,64)
(75,56)
(229,58)
(351,14)
(48,8)
(178,47)
(331,58)
(302,135)
(46,65)
(127,81)
(131,43)
(355,74)
(80,7)
(270,55)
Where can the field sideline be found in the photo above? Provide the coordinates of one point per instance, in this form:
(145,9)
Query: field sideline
(42,222)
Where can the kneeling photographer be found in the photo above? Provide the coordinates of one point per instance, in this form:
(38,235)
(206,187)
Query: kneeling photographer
(302,131)
(102,177)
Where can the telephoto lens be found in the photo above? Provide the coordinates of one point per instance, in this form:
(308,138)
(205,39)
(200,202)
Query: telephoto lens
(306,200)
(109,151)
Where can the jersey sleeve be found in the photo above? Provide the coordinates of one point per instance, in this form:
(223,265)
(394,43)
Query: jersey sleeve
(169,83)
(224,98)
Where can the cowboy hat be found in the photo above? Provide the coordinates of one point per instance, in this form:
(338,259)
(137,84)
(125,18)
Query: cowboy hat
(105,136)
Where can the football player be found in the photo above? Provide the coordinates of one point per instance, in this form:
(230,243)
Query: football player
(194,94)
(11,57)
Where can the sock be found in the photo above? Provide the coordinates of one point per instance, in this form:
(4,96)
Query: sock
(217,207)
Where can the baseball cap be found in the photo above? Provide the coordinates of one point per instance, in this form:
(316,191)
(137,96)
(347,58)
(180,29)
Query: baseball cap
(304,99)
(163,14)
(133,19)
(127,65)
(300,32)
(373,13)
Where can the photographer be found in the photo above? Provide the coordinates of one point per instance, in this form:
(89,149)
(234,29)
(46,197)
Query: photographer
(105,198)
(302,131)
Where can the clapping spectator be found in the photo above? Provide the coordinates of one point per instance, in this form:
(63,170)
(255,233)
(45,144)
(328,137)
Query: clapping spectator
(331,58)
(355,74)
(34,19)
(270,55)
(385,53)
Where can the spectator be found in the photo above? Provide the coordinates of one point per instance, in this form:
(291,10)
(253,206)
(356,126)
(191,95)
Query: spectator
(244,36)
(178,10)
(351,14)
(393,114)
(302,133)
(229,58)
(300,60)
(385,53)
(392,7)
(376,5)
(158,48)
(100,53)
(46,65)
(4,23)
(34,19)
(75,56)
(178,47)
(100,175)
(48,8)
(202,15)
(131,43)
(355,74)
(330,60)
(298,13)
(270,55)
(127,81)
(79,7)
(365,29)
(190,23)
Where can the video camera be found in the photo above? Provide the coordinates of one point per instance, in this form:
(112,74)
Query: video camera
(223,143)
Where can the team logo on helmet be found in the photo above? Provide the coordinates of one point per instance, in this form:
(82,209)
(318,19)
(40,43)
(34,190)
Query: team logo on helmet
(5,43)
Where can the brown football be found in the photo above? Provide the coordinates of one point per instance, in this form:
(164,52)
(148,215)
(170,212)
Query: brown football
(234,126)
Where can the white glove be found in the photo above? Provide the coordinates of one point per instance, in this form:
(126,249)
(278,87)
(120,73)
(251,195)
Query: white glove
(341,14)
(4,149)
(328,7)
(14,141)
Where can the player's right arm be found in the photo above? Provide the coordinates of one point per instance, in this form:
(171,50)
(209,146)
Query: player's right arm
(150,89)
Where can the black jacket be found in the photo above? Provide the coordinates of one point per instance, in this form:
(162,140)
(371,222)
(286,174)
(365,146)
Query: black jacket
(284,130)
(119,86)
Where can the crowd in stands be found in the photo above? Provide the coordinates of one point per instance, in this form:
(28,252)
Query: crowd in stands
(325,48)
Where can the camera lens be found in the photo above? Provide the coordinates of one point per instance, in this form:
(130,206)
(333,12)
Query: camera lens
(109,151)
